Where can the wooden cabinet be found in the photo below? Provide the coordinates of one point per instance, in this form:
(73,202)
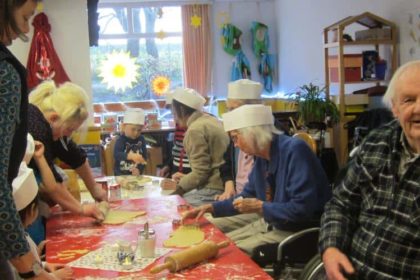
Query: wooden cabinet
(373,33)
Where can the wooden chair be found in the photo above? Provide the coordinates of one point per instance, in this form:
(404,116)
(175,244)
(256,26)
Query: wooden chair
(308,139)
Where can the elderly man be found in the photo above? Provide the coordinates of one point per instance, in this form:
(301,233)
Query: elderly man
(371,226)
(287,187)
(238,165)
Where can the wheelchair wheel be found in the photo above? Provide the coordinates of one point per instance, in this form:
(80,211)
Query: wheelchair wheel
(313,270)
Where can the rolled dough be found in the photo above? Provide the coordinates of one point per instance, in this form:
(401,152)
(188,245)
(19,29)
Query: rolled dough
(185,236)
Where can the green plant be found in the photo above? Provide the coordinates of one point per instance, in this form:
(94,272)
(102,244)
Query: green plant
(314,107)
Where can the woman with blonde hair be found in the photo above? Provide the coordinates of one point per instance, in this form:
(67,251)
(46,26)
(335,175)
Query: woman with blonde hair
(55,113)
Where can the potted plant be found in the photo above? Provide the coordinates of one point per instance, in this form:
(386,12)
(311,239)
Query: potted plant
(314,108)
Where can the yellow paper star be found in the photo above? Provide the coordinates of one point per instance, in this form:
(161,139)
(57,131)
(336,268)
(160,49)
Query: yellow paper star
(161,35)
(196,21)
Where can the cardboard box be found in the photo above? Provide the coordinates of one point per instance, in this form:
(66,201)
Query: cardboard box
(373,34)
(352,67)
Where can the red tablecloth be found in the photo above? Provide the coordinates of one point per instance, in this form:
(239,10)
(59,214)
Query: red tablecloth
(70,232)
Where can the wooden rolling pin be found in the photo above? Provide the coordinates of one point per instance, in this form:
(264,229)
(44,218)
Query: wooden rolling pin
(190,256)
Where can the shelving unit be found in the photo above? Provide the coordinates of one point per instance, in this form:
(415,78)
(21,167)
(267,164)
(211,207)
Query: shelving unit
(333,40)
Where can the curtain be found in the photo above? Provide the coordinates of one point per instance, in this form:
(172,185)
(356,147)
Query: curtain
(197,48)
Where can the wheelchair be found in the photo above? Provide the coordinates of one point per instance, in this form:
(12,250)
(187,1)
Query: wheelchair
(296,257)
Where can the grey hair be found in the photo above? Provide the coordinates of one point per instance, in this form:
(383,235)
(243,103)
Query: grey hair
(259,135)
(390,92)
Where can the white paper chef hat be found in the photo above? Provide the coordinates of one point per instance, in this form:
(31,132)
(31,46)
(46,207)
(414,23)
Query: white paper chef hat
(30,148)
(189,97)
(246,116)
(24,186)
(134,116)
(168,97)
(244,89)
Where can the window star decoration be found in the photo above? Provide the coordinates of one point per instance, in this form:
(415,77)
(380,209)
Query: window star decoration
(119,71)
(160,85)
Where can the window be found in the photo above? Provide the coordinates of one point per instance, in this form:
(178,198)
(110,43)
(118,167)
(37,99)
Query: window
(148,39)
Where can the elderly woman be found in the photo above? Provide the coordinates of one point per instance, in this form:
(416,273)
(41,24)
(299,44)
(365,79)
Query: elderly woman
(371,226)
(204,142)
(55,113)
(287,187)
(238,165)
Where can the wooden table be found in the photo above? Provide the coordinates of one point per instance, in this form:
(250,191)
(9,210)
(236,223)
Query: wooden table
(66,231)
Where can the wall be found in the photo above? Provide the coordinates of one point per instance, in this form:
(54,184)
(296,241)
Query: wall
(300,31)
(241,14)
(69,33)
(70,36)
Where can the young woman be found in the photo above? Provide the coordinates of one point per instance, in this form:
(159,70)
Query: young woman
(14,23)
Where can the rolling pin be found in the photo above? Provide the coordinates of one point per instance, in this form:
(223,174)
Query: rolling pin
(190,256)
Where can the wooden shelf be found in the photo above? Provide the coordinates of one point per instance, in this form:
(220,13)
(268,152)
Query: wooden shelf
(367,21)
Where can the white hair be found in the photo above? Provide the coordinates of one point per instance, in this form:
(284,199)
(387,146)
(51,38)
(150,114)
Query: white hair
(259,135)
(390,92)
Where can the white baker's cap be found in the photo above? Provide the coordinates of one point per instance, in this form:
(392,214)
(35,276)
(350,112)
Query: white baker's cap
(24,186)
(30,148)
(134,116)
(246,116)
(168,97)
(244,89)
(189,97)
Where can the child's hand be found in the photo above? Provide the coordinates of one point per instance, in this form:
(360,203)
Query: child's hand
(39,150)
(135,171)
(136,157)
(64,273)
(92,210)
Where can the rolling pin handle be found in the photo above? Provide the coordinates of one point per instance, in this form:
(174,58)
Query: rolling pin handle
(161,267)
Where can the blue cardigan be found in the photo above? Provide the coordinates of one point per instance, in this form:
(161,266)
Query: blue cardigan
(297,179)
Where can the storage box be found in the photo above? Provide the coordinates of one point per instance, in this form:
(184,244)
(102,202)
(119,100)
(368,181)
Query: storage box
(373,34)
(352,67)
(351,99)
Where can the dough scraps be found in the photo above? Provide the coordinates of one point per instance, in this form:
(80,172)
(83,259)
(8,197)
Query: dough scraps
(185,236)
(115,217)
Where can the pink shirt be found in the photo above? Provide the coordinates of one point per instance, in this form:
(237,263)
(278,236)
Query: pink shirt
(245,163)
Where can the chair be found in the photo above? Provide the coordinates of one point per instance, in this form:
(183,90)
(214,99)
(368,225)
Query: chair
(109,157)
(308,139)
(288,258)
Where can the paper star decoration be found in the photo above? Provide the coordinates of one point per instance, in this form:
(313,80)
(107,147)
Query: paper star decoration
(160,85)
(119,71)
(196,21)
(161,35)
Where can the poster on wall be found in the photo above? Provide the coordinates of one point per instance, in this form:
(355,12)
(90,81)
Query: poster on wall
(410,35)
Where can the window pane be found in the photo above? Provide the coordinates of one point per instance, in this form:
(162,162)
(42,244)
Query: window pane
(167,19)
(155,55)
(155,58)
(112,20)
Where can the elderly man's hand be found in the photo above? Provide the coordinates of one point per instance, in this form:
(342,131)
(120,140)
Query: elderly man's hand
(336,264)
(177,176)
(248,205)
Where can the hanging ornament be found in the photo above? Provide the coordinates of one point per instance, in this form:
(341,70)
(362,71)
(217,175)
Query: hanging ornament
(43,62)
(222,18)
(119,71)
(160,85)
(161,35)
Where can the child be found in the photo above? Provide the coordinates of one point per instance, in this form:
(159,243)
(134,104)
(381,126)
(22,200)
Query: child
(130,152)
(25,196)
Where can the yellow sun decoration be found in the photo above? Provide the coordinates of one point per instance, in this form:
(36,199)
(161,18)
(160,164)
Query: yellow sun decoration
(119,71)
(160,85)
